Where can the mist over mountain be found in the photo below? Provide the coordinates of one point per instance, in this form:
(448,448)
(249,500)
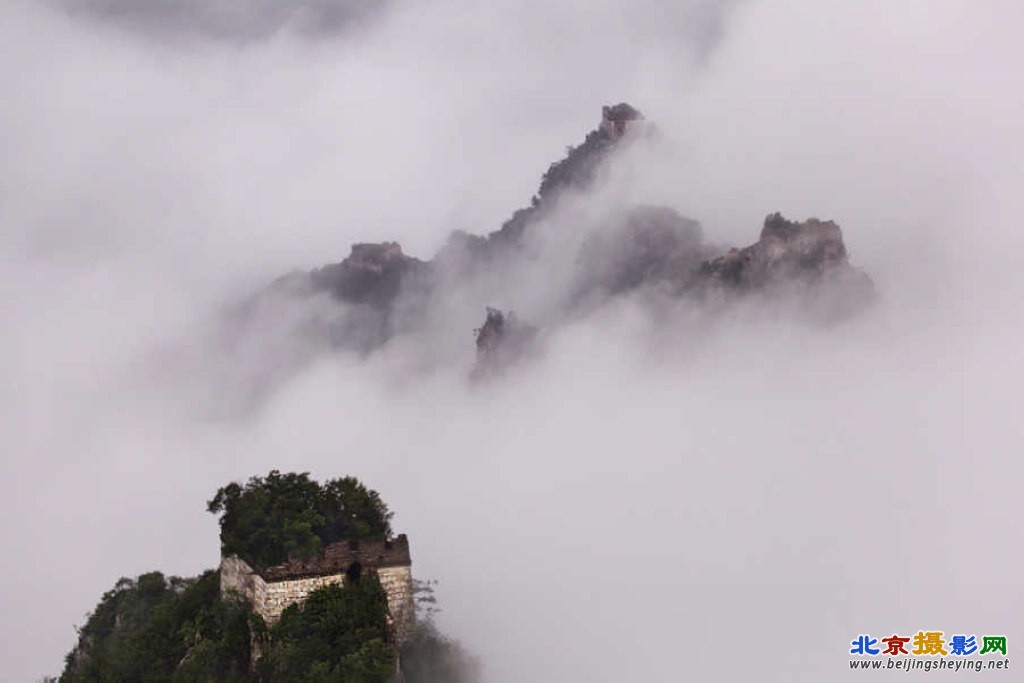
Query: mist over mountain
(673,452)
(586,247)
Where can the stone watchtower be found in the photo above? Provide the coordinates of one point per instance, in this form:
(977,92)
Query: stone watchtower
(272,589)
(617,119)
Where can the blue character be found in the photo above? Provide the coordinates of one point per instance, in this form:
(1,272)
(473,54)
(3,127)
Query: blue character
(864,645)
(962,645)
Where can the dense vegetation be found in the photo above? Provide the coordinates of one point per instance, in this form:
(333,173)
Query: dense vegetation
(272,518)
(154,629)
(157,629)
(339,634)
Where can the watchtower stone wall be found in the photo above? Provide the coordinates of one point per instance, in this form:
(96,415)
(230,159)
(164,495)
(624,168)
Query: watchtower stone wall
(271,590)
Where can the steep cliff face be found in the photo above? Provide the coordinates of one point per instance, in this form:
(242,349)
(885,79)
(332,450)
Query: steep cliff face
(387,293)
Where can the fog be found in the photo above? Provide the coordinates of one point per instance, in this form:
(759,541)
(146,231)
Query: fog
(656,496)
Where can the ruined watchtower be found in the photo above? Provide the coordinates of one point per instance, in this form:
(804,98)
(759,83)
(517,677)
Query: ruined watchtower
(617,119)
(272,589)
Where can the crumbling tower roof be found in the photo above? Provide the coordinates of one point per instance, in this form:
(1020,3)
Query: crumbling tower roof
(621,112)
(339,556)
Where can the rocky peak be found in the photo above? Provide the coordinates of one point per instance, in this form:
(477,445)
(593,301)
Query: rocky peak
(813,242)
(501,341)
(805,252)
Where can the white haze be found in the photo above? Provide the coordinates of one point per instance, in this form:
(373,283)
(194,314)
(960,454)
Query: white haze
(649,500)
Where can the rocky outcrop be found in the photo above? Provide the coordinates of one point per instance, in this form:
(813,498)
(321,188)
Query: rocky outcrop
(501,341)
(372,274)
(785,251)
(808,259)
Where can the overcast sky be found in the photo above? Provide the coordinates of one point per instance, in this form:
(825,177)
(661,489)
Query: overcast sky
(652,499)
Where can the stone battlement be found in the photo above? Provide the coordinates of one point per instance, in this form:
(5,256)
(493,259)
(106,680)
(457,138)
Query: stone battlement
(271,590)
(339,557)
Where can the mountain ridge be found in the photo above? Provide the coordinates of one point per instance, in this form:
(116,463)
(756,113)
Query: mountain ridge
(634,247)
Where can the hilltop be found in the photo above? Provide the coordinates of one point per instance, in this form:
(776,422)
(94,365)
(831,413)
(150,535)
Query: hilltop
(311,587)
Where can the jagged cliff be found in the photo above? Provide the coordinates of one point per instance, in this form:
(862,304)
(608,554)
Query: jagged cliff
(387,292)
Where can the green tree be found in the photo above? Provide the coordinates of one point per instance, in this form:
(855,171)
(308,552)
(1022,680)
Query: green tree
(272,518)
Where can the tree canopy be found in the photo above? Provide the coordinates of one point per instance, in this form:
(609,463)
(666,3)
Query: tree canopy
(272,518)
